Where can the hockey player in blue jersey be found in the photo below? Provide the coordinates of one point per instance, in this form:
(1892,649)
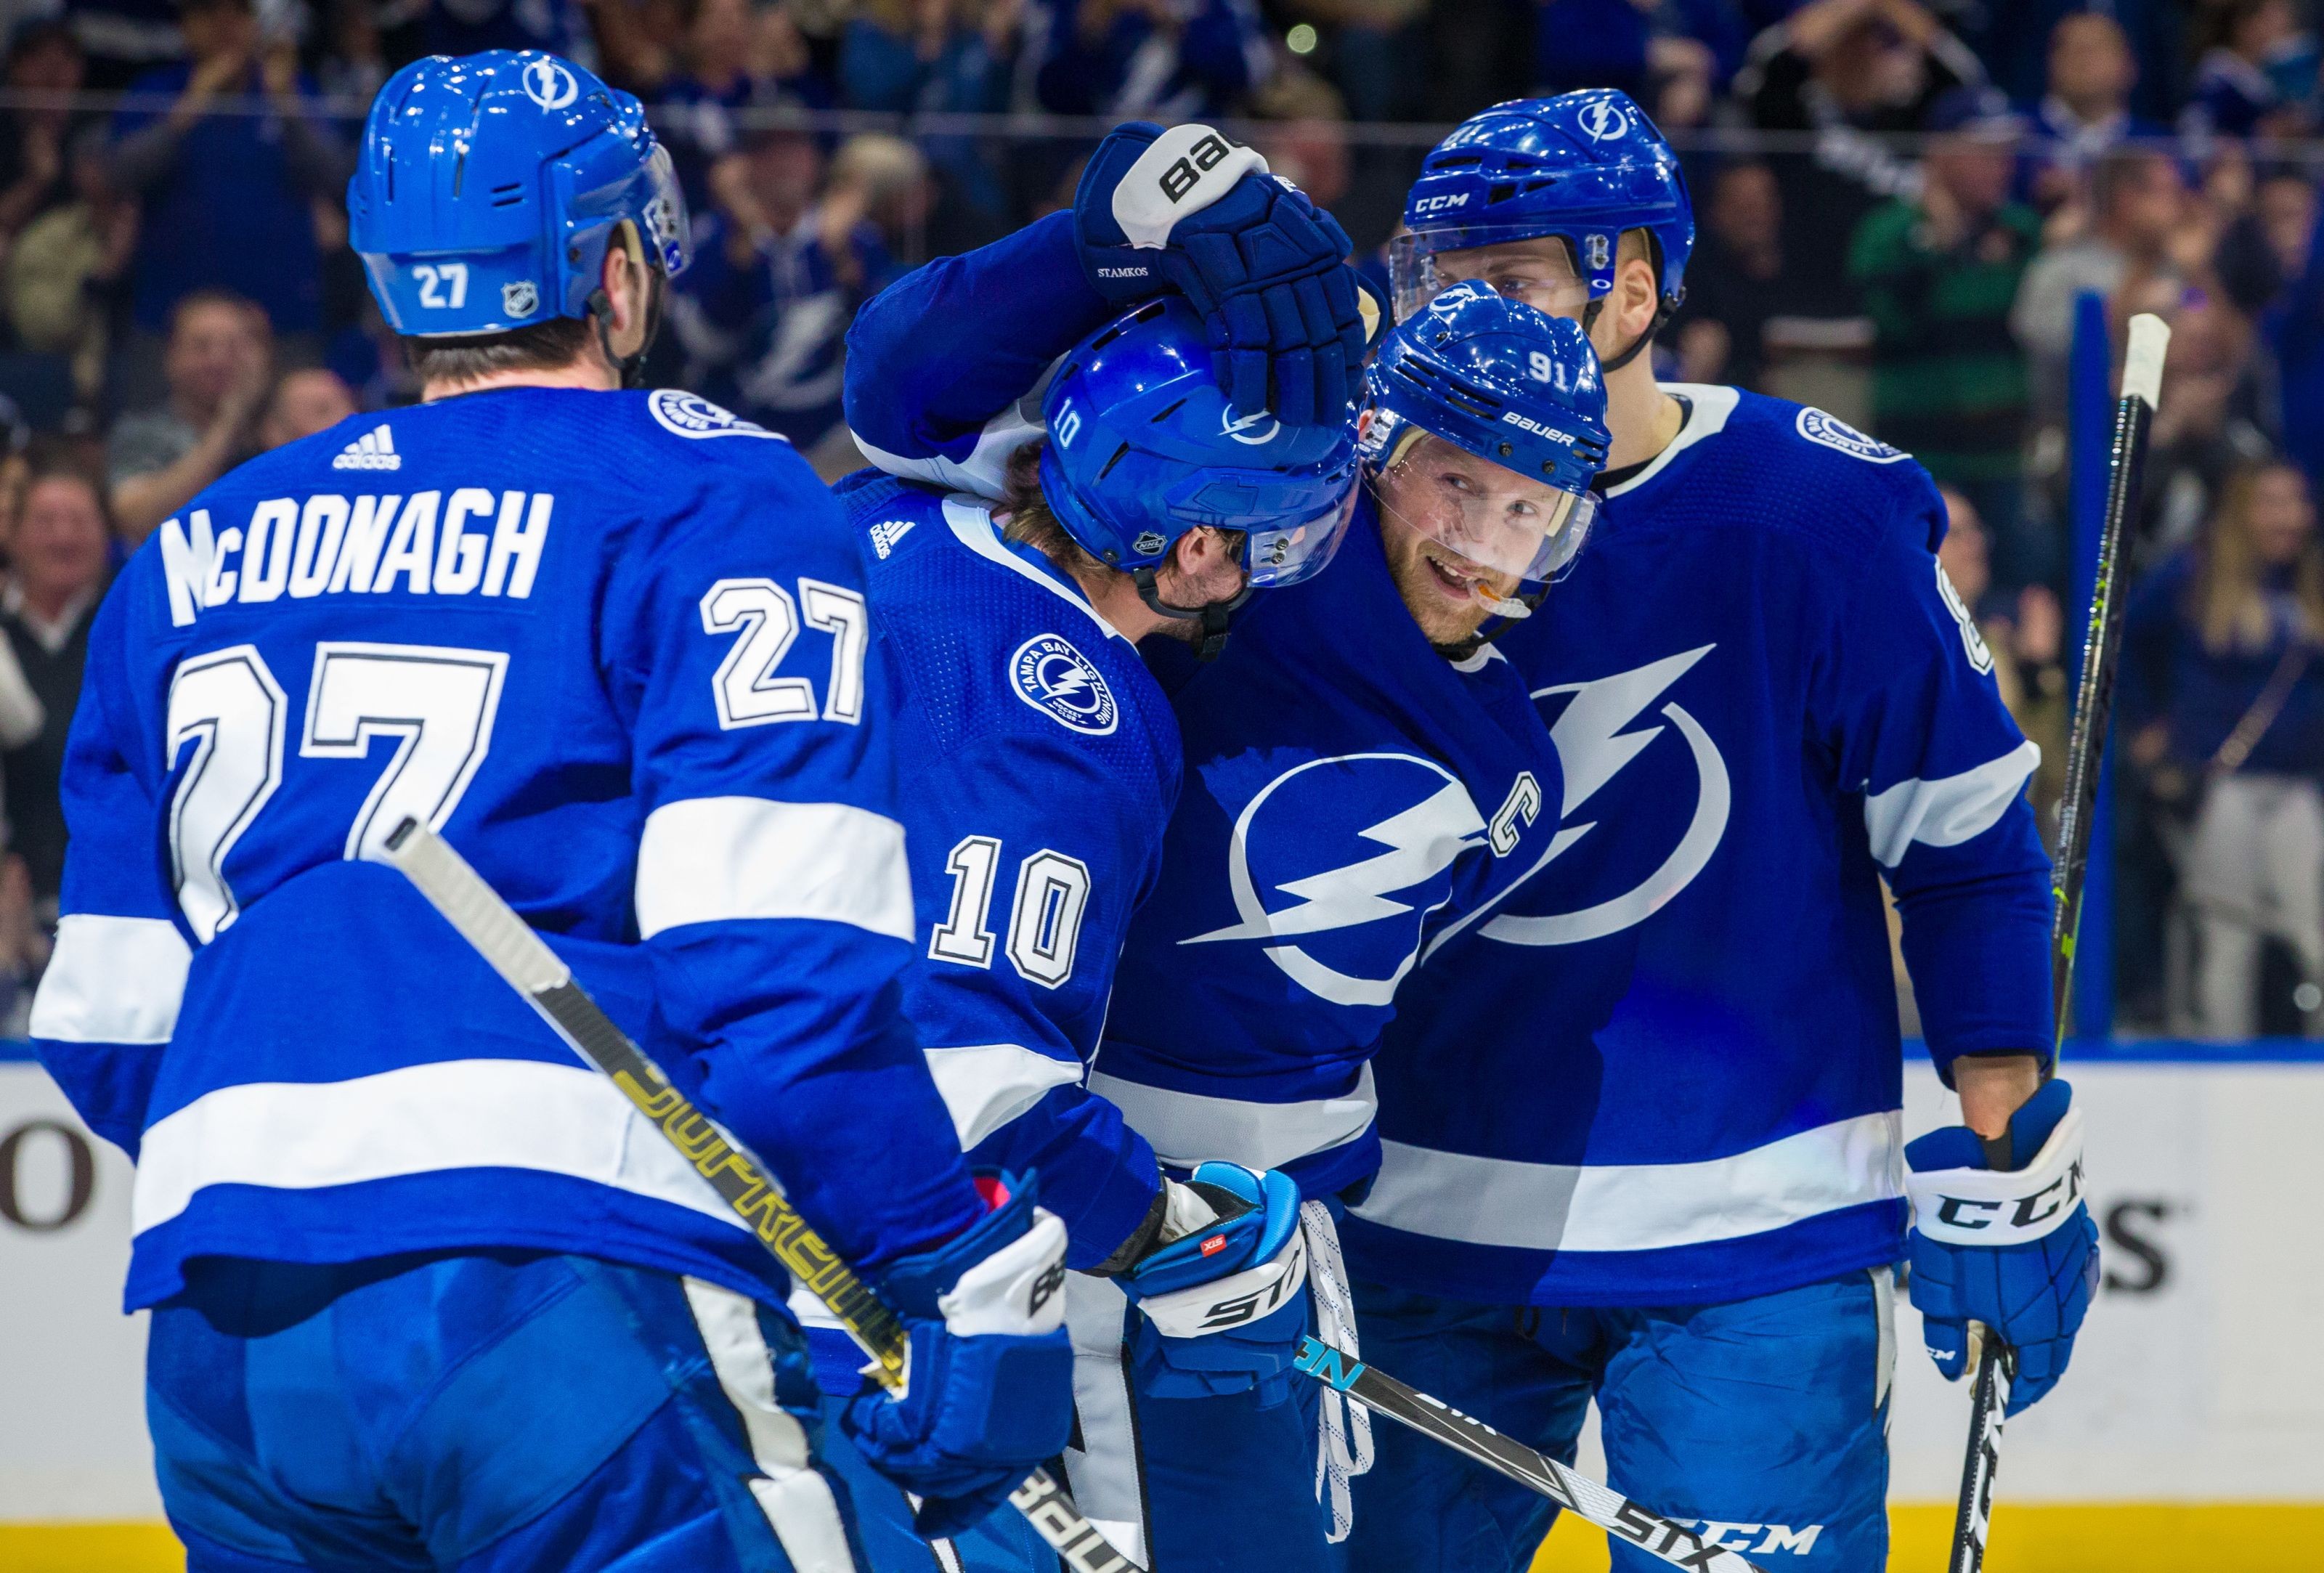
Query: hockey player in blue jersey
(1044,765)
(1640,1123)
(426,1291)
(1362,769)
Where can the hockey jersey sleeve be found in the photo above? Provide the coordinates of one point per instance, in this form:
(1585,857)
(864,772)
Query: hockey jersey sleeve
(942,366)
(999,1031)
(109,998)
(771,889)
(1904,700)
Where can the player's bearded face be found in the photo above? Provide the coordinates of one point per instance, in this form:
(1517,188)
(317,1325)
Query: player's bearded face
(1540,272)
(1444,514)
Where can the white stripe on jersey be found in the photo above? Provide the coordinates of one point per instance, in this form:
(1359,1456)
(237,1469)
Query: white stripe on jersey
(419,1119)
(714,860)
(1949,810)
(112,980)
(1637,1207)
(1187,1128)
(985,471)
(984,1085)
(790,1491)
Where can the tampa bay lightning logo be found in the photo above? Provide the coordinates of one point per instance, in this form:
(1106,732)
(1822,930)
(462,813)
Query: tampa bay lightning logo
(550,84)
(1336,863)
(1064,684)
(1599,738)
(1833,432)
(1602,119)
(1252,430)
(690,415)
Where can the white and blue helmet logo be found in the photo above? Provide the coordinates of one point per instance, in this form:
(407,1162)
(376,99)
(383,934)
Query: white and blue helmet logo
(1063,684)
(548,83)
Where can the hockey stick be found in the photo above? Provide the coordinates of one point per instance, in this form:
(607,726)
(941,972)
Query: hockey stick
(1435,1419)
(531,968)
(2142,389)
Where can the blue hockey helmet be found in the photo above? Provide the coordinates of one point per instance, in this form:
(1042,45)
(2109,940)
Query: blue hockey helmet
(1581,167)
(490,185)
(1512,385)
(1144,447)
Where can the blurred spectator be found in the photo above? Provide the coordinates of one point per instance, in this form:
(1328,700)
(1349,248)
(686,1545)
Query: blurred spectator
(2293,325)
(24,948)
(778,274)
(2026,634)
(355,66)
(938,55)
(2086,113)
(1673,56)
(42,57)
(228,198)
(2225,706)
(122,40)
(218,363)
(2259,80)
(1304,139)
(57,554)
(304,402)
(1937,276)
(1738,281)
(2138,202)
(1841,69)
(462,27)
(1154,59)
(736,56)
(2205,429)
(1378,53)
(66,268)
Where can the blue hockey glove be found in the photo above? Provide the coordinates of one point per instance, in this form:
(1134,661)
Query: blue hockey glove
(1189,210)
(2013,1249)
(1222,1290)
(988,1394)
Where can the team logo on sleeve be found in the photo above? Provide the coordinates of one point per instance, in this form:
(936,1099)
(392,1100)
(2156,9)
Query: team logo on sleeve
(1833,432)
(1064,684)
(690,415)
(1336,864)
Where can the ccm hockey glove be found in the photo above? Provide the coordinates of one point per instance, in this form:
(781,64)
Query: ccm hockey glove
(1187,210)
(1223,1287)
(2014,1249)
(987,1395)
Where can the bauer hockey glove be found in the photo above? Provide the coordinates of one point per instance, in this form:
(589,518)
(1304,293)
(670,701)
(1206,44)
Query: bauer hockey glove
(2013,1249)
(1222,1289)
(988,1394)
(1189,210)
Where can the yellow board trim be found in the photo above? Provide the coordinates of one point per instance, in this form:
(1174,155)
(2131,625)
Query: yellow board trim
(2047,1538)
(2027,1537)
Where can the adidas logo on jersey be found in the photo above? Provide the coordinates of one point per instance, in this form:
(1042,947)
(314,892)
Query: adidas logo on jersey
(375,450)
(887,533)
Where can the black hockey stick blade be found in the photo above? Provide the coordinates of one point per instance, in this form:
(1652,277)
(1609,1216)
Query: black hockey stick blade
(1439,1422)
(2141,389)
(526,963)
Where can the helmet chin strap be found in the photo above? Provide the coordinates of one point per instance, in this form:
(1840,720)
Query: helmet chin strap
(1211,622)
(1664,309)
(631,368)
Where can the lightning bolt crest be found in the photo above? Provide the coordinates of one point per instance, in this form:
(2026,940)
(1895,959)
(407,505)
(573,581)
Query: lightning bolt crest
(1591,745)
(1421,841)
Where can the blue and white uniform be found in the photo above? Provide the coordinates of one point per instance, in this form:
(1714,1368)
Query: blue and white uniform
(1349,793)
(1688,1022)
(573,673)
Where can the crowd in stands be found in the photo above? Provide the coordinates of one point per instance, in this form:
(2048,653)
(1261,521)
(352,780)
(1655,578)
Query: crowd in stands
(1900,203)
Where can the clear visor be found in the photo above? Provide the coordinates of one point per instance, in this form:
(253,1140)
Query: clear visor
(1537,269)
(1521,530)
(1291,552)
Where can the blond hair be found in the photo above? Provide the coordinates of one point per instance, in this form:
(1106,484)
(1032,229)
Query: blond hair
(2230,605)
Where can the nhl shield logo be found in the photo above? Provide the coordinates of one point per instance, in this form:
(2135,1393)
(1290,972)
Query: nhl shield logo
(1055,678)
(519,300)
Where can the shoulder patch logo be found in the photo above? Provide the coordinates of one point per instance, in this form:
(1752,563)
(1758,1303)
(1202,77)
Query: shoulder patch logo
(1063,684)
(690,415)
(1981,655)
(887,533)
(375,450)
(1833,432)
